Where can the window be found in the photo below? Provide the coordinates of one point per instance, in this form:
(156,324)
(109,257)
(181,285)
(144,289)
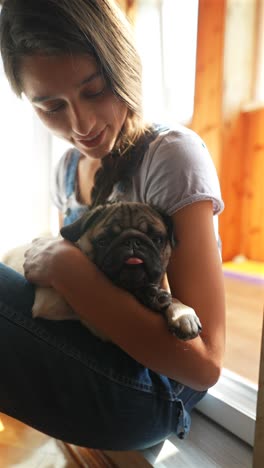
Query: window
(24,170)
(166,33)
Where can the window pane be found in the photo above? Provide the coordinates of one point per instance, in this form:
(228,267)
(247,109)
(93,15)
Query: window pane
(24,170)
(166,33)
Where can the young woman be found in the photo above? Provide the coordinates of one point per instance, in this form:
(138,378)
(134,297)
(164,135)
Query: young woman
(76,63)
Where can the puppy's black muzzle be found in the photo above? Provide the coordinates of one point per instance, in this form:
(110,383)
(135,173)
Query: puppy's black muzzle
(133,243)
(131,260)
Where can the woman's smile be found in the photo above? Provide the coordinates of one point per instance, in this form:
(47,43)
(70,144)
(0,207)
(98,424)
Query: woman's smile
(92,141)
(73,99)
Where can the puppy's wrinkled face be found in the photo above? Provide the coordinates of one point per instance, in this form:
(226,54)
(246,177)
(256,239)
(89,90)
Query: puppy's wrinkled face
(129,242)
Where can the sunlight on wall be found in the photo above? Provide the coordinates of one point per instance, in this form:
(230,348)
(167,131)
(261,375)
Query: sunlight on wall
(16,173)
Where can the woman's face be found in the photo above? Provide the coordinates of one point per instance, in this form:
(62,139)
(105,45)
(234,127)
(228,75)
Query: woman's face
(72,98)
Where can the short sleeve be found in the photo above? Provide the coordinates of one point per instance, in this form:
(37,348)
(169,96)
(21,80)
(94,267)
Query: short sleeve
(57,186)
(179,171)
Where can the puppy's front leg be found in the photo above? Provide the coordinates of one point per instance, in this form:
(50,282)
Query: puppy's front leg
(154,297)
(182,321)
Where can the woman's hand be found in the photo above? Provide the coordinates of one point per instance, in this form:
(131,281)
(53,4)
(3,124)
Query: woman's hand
(41,259)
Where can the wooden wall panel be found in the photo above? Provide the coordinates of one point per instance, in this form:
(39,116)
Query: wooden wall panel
(231,180)
(239,62)
(207,118)
(252,222)
(242,174)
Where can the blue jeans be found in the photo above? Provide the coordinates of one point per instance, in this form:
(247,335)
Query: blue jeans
(62,380)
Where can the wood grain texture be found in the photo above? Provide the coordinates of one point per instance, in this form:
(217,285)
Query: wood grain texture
(239,62)
(242,222)
(252,226)
(207,117)
(24,447)
(231,181)
(244,309)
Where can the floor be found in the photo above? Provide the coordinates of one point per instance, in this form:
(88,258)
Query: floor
(208,446)
(244,309)
(23,447)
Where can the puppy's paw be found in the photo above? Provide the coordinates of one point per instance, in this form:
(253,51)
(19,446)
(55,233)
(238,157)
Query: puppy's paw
(183,321)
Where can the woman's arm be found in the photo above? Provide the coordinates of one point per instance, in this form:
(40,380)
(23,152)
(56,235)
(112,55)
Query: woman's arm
(195,278)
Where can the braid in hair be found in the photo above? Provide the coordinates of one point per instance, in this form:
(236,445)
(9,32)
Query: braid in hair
(117,167)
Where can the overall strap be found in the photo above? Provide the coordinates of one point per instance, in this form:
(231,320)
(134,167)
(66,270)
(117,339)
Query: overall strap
(71,172)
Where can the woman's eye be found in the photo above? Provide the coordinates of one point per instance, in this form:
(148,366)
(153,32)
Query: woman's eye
(96,88)
(54,110)
(93,93)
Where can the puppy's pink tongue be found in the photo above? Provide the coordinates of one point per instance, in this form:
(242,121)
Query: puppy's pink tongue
(134,261)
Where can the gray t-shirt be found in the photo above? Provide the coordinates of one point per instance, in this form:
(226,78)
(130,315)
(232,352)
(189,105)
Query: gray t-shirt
(177,170)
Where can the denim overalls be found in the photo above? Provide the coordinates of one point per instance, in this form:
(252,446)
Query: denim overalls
(62,380)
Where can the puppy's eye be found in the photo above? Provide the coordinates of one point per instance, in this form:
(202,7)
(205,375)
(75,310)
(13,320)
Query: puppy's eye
(101,242)
(158,240)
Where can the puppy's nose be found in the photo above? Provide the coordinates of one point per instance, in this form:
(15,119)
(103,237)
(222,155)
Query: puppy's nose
(132,243)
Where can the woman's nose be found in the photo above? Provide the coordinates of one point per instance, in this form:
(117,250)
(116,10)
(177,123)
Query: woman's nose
(82,120)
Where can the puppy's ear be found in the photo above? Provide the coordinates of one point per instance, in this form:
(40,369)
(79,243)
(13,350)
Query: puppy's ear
(74,231)
(169,225)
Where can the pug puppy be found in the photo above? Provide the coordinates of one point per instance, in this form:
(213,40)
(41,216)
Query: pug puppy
(131,244)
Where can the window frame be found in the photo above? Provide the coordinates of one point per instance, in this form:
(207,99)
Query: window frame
(232,403)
